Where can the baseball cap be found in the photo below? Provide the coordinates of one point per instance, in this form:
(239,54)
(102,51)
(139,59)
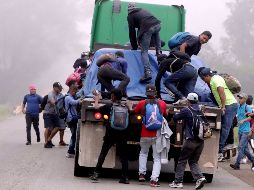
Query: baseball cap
(57,85)
(204,71)
(192,97)
(150,90)
(243,95)
(32,87)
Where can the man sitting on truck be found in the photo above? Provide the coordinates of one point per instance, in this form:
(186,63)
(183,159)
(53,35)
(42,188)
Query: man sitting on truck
(192,44)
(153,111)
(183,81)
(193,145)
(148,26)
(170,64)
(112,136)
(113,69)
(226,101)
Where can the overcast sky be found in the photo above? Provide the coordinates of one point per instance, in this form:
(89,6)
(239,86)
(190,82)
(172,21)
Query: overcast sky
(200,15)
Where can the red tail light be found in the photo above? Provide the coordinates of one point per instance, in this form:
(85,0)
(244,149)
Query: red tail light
(97,116)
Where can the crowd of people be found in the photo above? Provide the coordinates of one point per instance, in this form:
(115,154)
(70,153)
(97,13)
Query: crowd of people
(180,84)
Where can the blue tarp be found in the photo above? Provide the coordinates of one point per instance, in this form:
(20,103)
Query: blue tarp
(135,72)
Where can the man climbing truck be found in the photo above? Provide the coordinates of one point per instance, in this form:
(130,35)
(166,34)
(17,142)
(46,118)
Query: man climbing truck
(91,128)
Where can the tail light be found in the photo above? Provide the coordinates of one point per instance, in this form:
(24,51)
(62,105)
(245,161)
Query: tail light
(106,117)
(97,115)
(139,117)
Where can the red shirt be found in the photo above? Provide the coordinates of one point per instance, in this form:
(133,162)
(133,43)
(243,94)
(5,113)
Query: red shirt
(139,109)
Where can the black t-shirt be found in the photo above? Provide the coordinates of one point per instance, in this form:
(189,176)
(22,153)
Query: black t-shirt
(193,46)
(112,134)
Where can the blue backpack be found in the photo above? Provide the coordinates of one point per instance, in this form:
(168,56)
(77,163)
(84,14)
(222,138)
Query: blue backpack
(119,117)
(178,39)
(152,117)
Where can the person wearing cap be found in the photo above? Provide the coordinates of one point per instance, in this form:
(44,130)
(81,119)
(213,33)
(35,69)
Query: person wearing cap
(192,44)
(192,147)
(183,81)
(112,137)
(113,71)
(147,26)
(31,107)
(226,101)
(172,65)
(148,137)
(243,132)
(50,116)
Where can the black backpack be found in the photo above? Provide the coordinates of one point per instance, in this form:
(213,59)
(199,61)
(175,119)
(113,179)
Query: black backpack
(201,129)
(119,117)
(60,107)
(43,103)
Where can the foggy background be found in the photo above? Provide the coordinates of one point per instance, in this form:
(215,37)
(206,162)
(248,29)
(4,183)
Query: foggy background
(40,40)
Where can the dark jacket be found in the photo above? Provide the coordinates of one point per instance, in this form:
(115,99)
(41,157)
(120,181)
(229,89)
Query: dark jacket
(141,19)
(193,46)
(171,65)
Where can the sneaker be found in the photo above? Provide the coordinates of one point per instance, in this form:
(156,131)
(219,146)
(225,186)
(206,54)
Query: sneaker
(50,142)
(229,147)
(62,143)
(235,167)
(200,183)
(28,143)
(94,177)
(176,185)
(124,180)
(221,157)
(141,178)
(154,183)
(48,145)
(252,167)
(68,155)
(146,78)
(243,161)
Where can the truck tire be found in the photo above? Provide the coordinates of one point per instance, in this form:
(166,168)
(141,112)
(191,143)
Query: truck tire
(209,178)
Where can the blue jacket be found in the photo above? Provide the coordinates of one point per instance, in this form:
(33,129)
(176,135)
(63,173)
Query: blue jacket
(33,102)
(71,107)
(120,65)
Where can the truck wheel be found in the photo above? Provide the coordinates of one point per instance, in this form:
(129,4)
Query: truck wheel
(209,178)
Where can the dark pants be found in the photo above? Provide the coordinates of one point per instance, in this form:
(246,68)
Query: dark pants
(183,81)
(121,146)
(106,74)
(73,128)
(32,119)
(191,152)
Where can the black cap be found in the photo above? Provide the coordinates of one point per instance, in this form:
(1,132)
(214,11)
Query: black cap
(205,71)
(57,85)
(150,90)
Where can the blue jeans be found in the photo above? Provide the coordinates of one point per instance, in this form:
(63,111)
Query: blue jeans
(243,149)
(145,44)
(226,124)
(183,81)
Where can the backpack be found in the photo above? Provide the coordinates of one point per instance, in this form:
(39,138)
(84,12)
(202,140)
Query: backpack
(152,116)
(232,83)
(119,117)
(200,129)
(43,103)
(178,39)
(60,107)
(73,77)
(105,58)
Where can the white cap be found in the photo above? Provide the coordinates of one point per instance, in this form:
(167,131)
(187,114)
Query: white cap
(192,97)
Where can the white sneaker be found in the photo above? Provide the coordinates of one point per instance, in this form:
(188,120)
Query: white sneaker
(200,183)
(176,185)
(70,155)
(221,157)
(243,161)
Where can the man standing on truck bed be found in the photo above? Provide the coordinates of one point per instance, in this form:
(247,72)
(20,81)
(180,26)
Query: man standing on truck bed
(226,101)
(148,26)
